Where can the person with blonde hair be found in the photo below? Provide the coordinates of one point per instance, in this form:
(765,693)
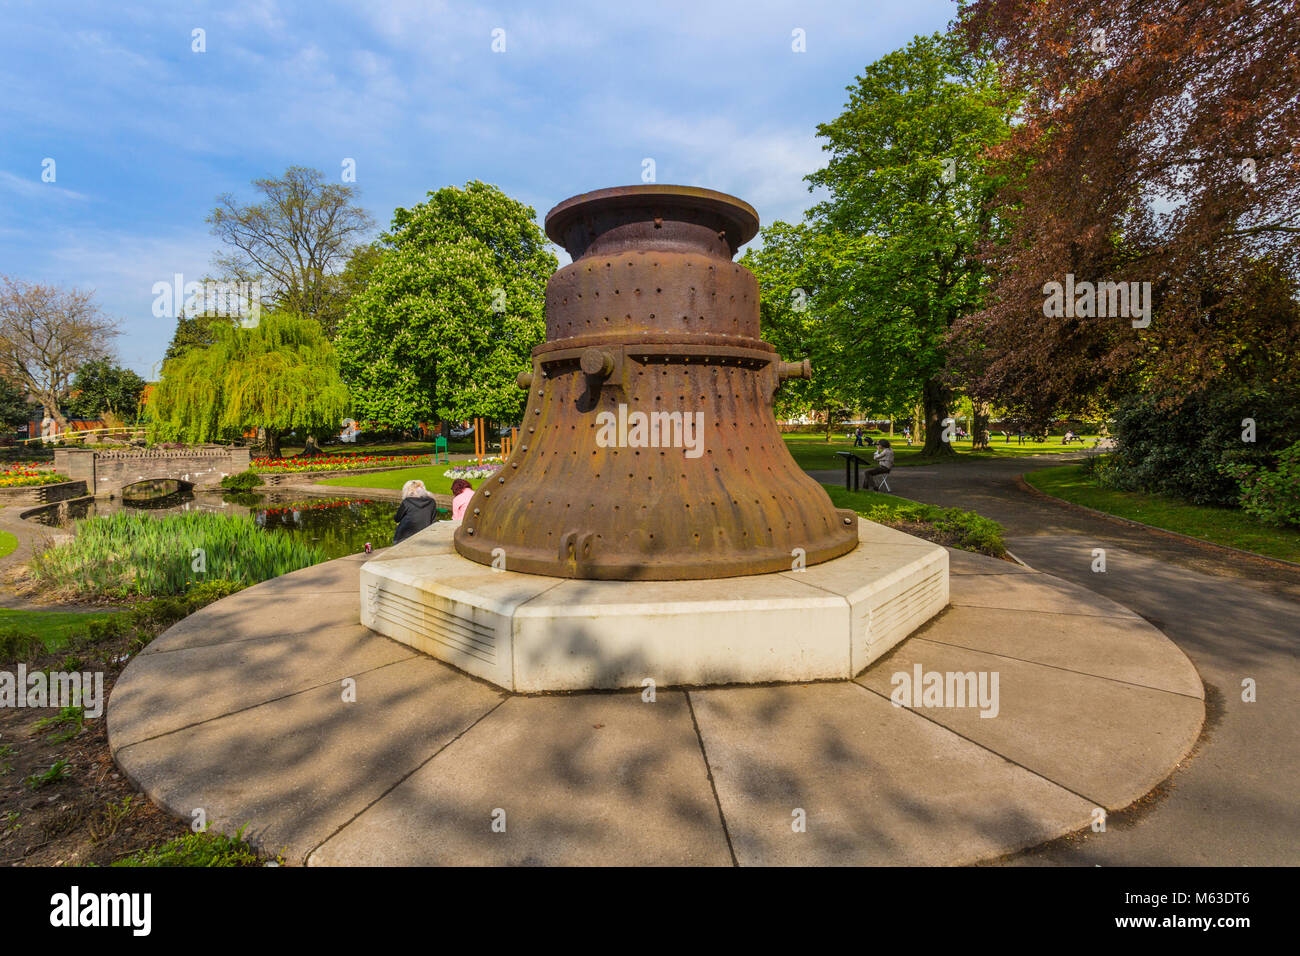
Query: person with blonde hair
(417,511)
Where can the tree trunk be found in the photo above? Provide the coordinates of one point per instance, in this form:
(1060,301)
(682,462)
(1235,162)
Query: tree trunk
(828,424)
(311,449)
(272,443)
(935,397)
(980,424)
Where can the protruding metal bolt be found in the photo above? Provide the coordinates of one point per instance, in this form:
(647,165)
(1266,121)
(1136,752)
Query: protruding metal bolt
(597,362)
(787,370)
(524,380)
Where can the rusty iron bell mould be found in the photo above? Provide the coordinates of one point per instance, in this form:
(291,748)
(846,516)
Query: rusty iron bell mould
(648,449)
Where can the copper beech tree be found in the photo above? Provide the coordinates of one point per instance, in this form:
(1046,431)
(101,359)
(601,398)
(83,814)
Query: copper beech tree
(46,334)
(1159,142)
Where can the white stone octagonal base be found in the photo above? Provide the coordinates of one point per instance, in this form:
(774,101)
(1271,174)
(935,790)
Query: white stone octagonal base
(530,633)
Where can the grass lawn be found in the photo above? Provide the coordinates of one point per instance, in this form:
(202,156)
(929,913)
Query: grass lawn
(431,475)
(7,544)
(813,452)
(50,627)
(1225,526)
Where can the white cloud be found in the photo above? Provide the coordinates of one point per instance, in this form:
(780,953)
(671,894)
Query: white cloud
(35,188)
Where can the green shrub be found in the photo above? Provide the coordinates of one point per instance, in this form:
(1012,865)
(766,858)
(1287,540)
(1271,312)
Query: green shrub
(1184,451)
(1272,496)
(125,554)
(973,532)
(964,529)
(242,481)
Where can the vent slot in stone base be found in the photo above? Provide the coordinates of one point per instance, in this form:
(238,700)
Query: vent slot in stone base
(455,631)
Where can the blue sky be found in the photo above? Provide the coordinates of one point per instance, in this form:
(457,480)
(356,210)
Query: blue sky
(145,133)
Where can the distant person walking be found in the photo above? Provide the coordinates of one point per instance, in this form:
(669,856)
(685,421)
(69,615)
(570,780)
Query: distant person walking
(884,462)
(461,493)
(857,438)
(907,433)
(416,512)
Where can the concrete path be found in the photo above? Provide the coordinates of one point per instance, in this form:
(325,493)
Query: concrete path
(1237,619)
(272,709)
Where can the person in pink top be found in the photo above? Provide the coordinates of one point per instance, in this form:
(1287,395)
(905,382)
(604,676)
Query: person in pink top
(461,492)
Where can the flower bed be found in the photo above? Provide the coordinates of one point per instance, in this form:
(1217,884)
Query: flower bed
(21,473)
(288,466)
(475,470)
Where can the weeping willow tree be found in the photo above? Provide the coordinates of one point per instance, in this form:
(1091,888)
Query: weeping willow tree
(281,376)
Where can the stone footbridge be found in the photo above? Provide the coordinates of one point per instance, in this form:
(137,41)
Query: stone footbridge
(106,473)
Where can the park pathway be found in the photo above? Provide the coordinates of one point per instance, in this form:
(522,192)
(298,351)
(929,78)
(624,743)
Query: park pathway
(1233,801)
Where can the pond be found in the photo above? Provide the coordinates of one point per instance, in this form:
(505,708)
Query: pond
(339,526)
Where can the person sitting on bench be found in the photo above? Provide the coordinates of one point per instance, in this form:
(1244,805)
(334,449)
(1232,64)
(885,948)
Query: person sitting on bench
(884,462)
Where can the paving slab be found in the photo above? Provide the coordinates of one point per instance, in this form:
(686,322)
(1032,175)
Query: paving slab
(580,780)
(339,574)
(164,692)
(1032,593)
(262,612)
(1106,740)
(1120,648)
(967,562)
(295,770)
(877,784)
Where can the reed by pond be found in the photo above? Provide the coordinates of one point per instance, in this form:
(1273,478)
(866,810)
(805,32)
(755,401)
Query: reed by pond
(134,555)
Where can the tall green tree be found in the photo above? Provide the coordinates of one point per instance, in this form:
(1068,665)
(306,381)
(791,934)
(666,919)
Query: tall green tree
(102,386)
(282,375)
(451,311)
(893,247)
(789,279)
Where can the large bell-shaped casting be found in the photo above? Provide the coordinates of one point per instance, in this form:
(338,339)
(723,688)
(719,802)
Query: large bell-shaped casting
(648,449)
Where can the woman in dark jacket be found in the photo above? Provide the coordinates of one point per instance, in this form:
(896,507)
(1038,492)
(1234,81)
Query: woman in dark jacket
(417,511)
